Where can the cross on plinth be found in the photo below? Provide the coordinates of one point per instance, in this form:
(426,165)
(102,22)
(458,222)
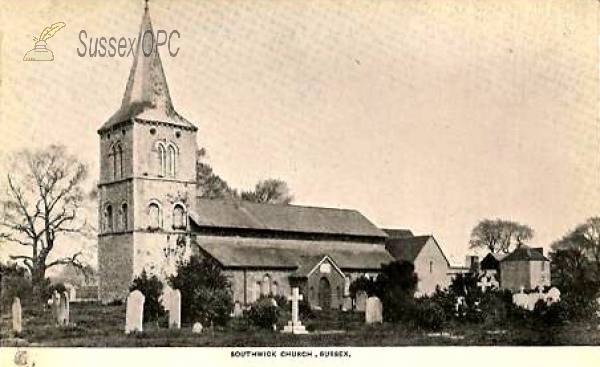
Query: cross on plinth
(295,326)
(486,282)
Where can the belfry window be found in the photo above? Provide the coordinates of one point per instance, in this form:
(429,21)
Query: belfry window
(171,161)
(161,159)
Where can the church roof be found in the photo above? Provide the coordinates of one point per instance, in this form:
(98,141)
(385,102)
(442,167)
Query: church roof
(408,248)
(285,218)
(293,254)
(147,93)
(398,233)
(526,253)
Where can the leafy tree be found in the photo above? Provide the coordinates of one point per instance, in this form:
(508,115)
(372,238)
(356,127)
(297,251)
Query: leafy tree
(395,286)
(586,239)
(43,198)
(500,235)
(151,287)
(206,294)
(362,284)
(212,186)
(270,191)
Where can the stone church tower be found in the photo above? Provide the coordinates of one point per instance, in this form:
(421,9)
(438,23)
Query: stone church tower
(147,177)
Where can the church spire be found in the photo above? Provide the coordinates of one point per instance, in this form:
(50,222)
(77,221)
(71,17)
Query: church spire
(147,95)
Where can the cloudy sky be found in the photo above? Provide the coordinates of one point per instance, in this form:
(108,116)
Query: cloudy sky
(421,115)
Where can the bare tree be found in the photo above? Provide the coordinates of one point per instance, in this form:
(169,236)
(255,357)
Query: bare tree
(500,235)
(43,196)
(271,191)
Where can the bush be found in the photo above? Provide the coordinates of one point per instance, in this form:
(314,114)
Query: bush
(151,287)
(429,315)
(395,286)
(205,291)
(264,314)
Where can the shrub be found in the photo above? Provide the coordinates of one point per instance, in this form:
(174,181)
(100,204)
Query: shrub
(205,291)
(264,314)
(429,315)
(395,286)
(151,287)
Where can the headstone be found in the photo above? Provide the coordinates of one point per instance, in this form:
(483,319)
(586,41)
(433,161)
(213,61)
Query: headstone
(197,328)
(63,309)
(347,304)
(521,299)
(553,295)
(237,310)
(72,292)
(533,298)
(165,297)
(295,326)
(273,302)
(175,310)
(17,316)
(135,312)
(56,306)
(361,301)
(374,311)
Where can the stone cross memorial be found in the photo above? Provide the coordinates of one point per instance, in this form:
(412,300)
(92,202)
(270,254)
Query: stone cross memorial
(16,316)
(553,295)
(135,312)
(295,326)
(521,299)
(175,309)
(374,311)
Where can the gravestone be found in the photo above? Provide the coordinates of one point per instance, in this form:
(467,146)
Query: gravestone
(347,304)
(135,312)
(521,299)
(374,311)
(295,326)
(553,295)
(533,298)
(63,309)
(165,297)
(72,292)
(361,301)
(17,315)
(197,328)
(56,306)
(175,310)
(237,310)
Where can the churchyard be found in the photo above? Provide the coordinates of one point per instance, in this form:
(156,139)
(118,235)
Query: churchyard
(92,324)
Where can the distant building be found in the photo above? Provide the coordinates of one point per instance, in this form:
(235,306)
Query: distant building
(524,267)
(431,264)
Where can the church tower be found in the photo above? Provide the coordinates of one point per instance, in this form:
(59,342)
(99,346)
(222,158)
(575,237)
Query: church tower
(147,176)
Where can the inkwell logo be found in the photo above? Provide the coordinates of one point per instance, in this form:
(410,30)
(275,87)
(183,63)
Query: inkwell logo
(40,52)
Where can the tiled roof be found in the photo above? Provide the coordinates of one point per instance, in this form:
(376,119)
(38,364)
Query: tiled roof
(279,217)
(526,253)
(398,233)
(292,254)
(408,248)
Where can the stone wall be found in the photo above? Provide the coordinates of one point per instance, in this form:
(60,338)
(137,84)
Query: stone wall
(115,266)
(431,268)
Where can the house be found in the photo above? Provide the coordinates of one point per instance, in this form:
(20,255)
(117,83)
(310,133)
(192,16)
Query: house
(524,267)
(431,264)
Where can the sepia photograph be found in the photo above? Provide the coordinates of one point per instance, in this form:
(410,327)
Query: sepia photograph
(290,180)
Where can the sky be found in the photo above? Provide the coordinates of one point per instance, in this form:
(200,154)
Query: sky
(420,114)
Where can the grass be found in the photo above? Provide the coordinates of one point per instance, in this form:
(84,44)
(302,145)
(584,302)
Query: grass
(95,325)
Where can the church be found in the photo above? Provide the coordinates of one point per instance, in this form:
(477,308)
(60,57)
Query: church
(151,212)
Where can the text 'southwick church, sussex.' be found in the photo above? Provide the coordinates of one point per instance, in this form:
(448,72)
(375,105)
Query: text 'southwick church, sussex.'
(151,214)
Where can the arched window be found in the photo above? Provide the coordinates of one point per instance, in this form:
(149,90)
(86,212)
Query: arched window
(108,218)
(161,159)
(179,221)
(265,285)
(154,215)
(347,286)
(113,162)
(171,161)
(124,217)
